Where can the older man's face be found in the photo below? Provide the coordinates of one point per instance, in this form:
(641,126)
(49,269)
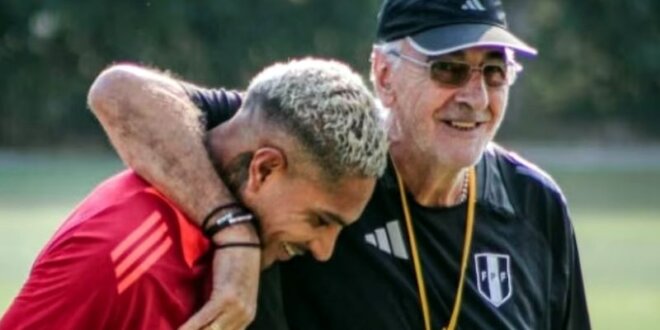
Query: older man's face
(450,124)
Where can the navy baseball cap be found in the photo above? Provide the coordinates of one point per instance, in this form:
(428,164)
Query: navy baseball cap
(436,27)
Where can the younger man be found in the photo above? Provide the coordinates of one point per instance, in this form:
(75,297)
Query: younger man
(303,154)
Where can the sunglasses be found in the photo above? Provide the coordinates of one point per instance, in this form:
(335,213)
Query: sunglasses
(454,74)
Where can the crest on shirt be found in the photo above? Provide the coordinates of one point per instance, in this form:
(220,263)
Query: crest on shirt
(494,277)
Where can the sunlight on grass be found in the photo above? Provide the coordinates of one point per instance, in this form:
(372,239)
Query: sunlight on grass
(621,267)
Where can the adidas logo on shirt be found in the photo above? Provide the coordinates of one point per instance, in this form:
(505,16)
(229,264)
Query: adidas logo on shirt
(388,239)
(473,5)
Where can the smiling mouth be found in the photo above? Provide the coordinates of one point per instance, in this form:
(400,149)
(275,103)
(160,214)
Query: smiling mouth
(465,126)
(292,250)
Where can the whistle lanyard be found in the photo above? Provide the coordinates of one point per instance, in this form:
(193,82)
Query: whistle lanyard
(469,228)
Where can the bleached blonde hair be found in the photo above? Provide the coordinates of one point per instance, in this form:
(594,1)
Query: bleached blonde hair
(328,108)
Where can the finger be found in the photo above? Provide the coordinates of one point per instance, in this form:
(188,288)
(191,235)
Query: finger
(225,321)
(221,323)
(232,321)
(203,317)
(211,326)
(214,326)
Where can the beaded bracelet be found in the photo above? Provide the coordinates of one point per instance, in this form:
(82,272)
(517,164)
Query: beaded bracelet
(237,244)
(227,220)
(210,215)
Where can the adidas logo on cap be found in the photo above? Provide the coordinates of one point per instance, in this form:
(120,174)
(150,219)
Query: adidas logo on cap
(473,5)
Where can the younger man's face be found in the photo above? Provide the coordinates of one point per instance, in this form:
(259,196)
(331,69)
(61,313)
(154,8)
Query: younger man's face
(298,208)
(302,213)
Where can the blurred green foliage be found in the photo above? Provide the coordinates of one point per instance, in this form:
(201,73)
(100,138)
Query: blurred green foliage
(596,76)
(598,73)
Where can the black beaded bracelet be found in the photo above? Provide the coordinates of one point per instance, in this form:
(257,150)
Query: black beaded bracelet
(238,244)
(210,215)
(227,220)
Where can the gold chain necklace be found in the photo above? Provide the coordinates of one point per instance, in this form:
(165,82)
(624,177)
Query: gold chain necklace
(469,228)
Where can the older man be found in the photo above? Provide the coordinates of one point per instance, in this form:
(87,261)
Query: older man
(303,154)
(460,233)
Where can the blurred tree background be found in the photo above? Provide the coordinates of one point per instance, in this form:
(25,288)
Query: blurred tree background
(597,77)
(584,109)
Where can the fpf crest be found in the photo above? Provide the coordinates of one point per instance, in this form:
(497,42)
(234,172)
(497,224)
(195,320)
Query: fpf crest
(493,277)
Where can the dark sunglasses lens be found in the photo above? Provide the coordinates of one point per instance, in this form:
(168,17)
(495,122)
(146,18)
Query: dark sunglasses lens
(456,74)
(449,73)
(495,74)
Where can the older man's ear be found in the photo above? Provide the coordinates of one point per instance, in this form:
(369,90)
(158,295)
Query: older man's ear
(381,77)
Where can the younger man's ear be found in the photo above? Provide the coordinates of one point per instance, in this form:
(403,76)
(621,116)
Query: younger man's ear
(266,163)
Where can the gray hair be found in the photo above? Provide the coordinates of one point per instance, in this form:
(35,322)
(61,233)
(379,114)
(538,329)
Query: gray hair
(328,109)
(389,48)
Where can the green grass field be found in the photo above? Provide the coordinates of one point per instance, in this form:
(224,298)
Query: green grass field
(616,213)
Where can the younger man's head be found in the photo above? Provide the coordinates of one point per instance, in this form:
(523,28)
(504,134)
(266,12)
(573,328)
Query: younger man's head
(303,154)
